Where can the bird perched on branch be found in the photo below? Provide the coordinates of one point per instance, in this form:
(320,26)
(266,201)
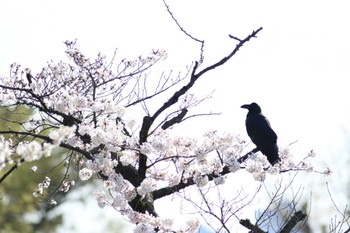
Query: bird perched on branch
(261,133)
(29,76)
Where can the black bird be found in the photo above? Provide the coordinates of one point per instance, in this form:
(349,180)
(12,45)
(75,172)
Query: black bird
(261,133)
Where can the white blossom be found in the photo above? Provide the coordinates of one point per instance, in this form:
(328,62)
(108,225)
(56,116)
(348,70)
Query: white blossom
(219,180)
(307,166)
(328,171)
(201,181)
(146,186)
(93,165)
(129,193)
(100,196)
(53,202)
(61,133)
(166,223)
(98,136)
(119,201)
(107,184)
(127,157)
(260,158)
(85,174)
(107,166)
(285,154)
(273,170)
(117,181)
(259,176)
(254,166)
(287,164)
(146,148)
(29,151)
(312,153)
(173,179)
(143,228)
(47,149)
(213,140)
(192,225)
(42,187)
(233,164)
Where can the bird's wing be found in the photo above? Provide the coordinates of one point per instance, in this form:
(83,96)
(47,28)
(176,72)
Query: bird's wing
(260,131)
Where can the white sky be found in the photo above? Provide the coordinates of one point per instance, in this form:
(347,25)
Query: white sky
(297,69)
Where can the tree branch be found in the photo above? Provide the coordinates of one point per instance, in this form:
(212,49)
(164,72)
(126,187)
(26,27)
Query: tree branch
(225,59)
(183,184)
(297,217)
(175,120)
(10,171)
(253,229)
(201,58)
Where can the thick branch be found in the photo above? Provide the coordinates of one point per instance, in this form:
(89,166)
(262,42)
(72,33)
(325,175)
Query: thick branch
(297,217)
(175,120)
(253,228)
(144,204)
(170,190)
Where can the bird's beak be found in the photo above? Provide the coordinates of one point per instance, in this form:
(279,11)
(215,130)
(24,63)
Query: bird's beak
(245,106)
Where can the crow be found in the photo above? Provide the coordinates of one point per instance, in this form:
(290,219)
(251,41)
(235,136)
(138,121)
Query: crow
(261,133)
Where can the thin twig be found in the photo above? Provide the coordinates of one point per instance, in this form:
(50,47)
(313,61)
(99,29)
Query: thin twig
(186,33)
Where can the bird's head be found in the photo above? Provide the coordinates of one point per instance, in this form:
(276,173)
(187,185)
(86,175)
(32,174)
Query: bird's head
(253,107)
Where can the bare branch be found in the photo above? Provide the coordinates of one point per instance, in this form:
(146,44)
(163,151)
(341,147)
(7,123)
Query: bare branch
(225,59)
(297,217)
(236,38)
(337,226)
(201,58)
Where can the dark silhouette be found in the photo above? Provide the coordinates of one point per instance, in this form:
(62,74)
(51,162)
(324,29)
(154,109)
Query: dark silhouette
(29,77)
(261,133)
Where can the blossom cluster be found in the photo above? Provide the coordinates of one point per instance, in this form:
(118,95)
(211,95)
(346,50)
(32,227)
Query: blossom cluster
(193,158)
(42,187)
(34,150)
(144,221)
(66,185)
(256,167)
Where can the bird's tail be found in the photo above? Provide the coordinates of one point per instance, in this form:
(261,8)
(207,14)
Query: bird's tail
(271,153)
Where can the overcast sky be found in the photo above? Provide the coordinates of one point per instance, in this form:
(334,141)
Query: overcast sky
(297,69)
